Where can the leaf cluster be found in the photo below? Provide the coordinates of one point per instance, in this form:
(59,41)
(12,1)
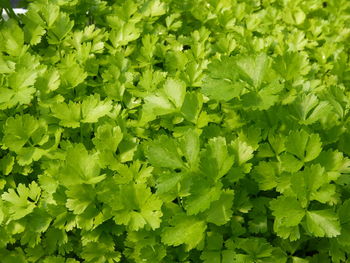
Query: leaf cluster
(165,131)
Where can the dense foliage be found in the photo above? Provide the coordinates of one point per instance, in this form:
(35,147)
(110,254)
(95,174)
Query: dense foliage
(170,131)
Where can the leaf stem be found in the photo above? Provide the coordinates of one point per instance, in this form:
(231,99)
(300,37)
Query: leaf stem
(6,5)
(81,133)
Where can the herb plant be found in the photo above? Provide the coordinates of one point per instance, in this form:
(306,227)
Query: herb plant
(167,131)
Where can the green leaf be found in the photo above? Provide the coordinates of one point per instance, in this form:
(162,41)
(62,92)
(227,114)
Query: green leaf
(221,81)
(6,65)
(108,137)
(23,201)
(201,198)
(242,151)
(187,230)
(24,135)
(291,65)
(49,81)
(79,198)
(164,131)
(133,205)
(71,73)
(89,111)
(156,105)
(322,223)
(153,8)
(92,108)
(6,164)
(162,152)
(173,185)
(309,109)
(303,145)
(123,33)
(253,69)
(20,88)
(211,256)
(192,106)
(12,38)
(265,98)
(68,114)
(50,13)
(60,28)
(313,184)
(102,251)
(220,211)
(216,160)
(80,167)
(290,163)
(175,90)
(257,248)
(287,210)
(24,129)
(266,174)
(344,238)
(190,146)
(33,32)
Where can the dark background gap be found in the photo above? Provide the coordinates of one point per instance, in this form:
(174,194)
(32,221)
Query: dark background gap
(14,3)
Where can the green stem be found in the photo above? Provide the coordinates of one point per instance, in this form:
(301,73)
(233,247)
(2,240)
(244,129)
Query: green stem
(6,5)
(81,132)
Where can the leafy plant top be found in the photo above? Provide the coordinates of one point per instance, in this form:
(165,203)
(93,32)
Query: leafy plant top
(167,131)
